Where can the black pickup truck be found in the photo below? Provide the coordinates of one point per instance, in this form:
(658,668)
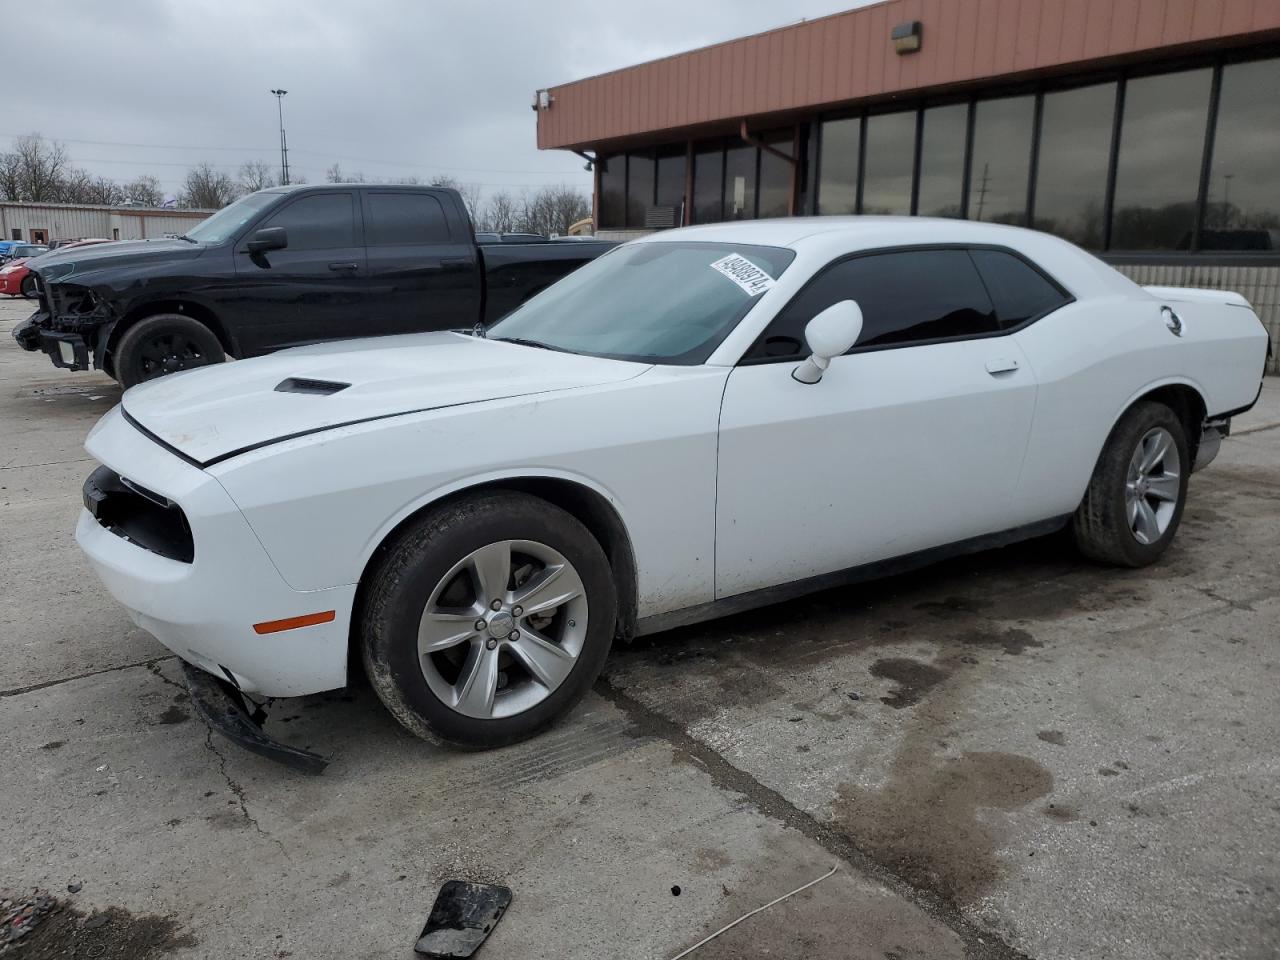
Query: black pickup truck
(279,268)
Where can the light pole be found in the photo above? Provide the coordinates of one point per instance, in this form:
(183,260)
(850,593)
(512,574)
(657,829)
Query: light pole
(284,144)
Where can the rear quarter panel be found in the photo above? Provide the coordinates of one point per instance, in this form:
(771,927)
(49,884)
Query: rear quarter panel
(1093,358)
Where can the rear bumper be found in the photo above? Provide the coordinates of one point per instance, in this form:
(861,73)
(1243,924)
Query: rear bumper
(1214,431)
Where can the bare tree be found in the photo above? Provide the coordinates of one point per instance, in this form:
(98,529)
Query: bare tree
(207,189)
(255,175)
(42,167)
(336,174)
(10,176)
(500,213)
(144,189)
(551,210)
(104,190)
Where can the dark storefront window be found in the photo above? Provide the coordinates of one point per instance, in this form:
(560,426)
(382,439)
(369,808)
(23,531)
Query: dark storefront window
(740,183)
(613,192)
(708,182)
(1242,209)
(838,166)
(890,156)
(670,184)
(775,175)
(1161,148)
(1001,165)
(639,188)
(1144,180)
(1075,150)
(942,161)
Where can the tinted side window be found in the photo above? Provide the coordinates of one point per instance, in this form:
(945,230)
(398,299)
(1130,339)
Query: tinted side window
(321,222)
(905,298)
(398,218)
(1019,290)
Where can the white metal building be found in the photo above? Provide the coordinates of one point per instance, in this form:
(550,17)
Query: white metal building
(42,222)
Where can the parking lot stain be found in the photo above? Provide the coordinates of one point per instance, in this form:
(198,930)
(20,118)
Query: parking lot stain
(930,822)
(1056,737)
(111,934)
(173,714)
(914,679)
(53,745)
(953,607)
(1012,641)
(1061,811)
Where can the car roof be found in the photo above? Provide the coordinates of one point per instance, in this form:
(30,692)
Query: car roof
(1081,272)
(860,231)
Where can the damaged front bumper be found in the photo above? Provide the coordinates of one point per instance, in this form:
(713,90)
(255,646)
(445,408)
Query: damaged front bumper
(226,711)
(72,327)
(67,350)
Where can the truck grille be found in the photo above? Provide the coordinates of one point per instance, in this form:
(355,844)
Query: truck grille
(138,515)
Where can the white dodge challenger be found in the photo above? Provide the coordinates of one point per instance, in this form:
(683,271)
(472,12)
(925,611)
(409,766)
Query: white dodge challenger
(701,421)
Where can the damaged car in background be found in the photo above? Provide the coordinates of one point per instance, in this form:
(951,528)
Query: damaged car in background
(280,268)
(700,422)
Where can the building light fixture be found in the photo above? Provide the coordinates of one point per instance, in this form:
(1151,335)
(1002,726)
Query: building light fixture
(906,36)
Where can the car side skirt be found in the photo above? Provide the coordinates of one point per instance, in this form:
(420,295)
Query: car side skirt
(842,578)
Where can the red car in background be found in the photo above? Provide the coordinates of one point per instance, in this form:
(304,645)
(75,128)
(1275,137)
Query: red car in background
(16,278)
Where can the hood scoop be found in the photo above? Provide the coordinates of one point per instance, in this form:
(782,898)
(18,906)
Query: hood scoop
(320,388)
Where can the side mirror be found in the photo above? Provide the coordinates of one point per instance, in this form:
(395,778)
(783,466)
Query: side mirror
(830,334)
(268,238)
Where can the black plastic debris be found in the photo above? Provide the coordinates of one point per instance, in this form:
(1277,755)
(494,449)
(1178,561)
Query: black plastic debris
(463,915)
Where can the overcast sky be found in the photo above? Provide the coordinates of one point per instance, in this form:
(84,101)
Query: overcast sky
(387,88)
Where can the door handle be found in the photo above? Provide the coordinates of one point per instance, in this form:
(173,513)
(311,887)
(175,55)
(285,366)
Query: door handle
(344,265)
(995,367)
(454,263)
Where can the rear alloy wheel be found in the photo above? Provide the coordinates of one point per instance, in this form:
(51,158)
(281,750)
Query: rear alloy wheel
(487,619)
(29,287)
(1134,503)
(164,344)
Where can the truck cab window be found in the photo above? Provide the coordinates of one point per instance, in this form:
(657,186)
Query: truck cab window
(322,222)
(403,218)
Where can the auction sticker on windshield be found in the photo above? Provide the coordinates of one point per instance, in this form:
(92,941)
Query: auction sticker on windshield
(744,273)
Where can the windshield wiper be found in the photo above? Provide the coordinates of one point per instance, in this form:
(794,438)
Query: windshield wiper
(526,343)
(188,239)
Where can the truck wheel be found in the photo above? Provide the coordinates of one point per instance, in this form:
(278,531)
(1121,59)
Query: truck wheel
(488,618)
(1133,506)
(29,287)
(162,344)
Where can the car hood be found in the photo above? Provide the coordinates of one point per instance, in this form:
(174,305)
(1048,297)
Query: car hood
(116,253)
(214,413)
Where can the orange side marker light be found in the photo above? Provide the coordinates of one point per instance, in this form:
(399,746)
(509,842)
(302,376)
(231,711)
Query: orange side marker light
(292,623)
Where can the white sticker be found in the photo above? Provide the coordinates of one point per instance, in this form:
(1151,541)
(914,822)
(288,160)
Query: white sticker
(744,273)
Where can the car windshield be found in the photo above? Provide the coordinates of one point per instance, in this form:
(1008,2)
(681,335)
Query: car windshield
(227,222)
(26,251)
(658,302)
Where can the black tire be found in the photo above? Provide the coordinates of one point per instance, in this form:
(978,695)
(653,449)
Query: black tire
(1101,524)
(422,555)
(163,344)
(29,287)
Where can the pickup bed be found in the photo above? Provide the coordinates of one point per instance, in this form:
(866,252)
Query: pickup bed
(281,268)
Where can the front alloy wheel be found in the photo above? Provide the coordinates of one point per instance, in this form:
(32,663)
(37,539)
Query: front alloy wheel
(486,618)
(503,629)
